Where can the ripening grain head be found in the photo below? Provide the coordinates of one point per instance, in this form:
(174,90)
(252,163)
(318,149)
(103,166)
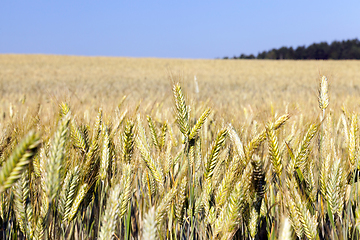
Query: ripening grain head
(323,93)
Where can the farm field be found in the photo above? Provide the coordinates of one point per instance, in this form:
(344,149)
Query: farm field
(135,148)
(227,84)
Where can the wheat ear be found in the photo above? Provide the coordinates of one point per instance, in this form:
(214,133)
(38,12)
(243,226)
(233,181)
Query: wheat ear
(214,154)
(105,155)
(182,111)
(109,219)
(239,147)
(180,200)
(274,152)
(126,191)
(162,137)
(165,204)
(67,195)
(334,190)
(253,222)
(21,206)
(98,124)
(294,217)
(128,142)
(230,214)
(54,162)
(91,162)
(353,139)
(76,203)
(258,181)
(308,222)
(77,137)
(258,139)
(143,146)
(153,133)
(195,129)
(149,225)
(18,161)
(285,232)
(323,94)
(226,184)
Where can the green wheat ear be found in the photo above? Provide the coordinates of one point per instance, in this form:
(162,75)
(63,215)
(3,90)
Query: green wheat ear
(18,161)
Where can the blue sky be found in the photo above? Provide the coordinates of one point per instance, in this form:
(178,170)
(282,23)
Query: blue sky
(172,29)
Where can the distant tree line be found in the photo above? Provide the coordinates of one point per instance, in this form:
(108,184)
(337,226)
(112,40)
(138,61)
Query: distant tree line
(349,49)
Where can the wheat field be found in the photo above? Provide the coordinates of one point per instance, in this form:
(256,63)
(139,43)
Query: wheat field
(127,148)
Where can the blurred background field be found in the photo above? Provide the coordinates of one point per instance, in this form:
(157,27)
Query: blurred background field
(228,86)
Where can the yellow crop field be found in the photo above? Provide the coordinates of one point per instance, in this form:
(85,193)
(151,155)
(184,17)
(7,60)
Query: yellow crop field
(141,148)
(230,84)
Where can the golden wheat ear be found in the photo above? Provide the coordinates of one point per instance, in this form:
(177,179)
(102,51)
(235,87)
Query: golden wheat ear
(228,220)
(126,182)
(165,204)
(98,124)
(182,111)
(301,158)
(143,147)
(68,191)
(128,142)
(54,162)
(308,220)
(64,109)
(22,207)
(258,181)
(258,139)
(18,161)
(154,135)
(353,139)
(77,137)
(214,154)
(105,155)
(180,200)
(275,157)
(323,93)
(71,214)
(195,130)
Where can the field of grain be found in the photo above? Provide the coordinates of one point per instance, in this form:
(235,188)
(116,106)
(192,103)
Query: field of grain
(126,148)
(229,85)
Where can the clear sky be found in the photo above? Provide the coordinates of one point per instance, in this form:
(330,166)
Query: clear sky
(172,29)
